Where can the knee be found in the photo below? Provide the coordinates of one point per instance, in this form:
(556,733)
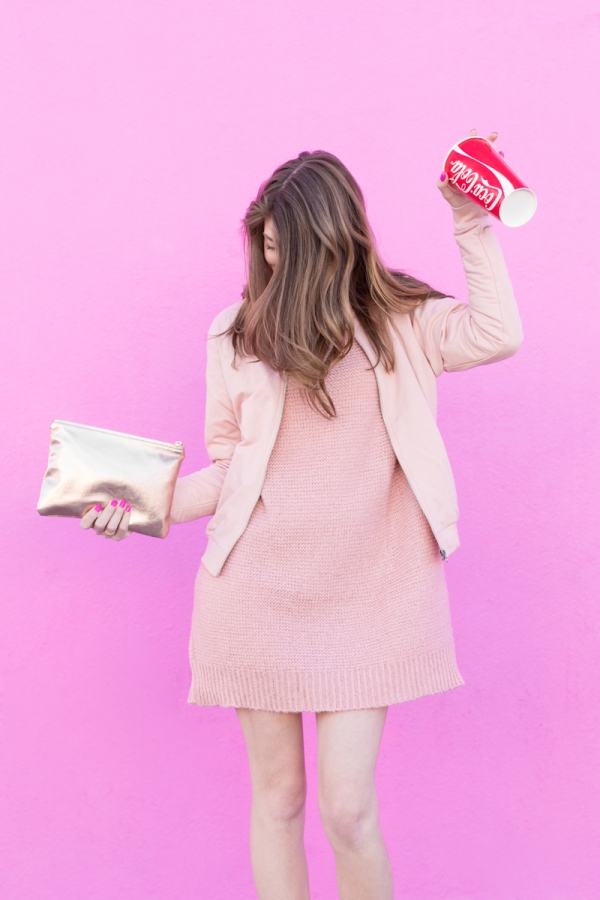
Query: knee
(282,798)
(350,819)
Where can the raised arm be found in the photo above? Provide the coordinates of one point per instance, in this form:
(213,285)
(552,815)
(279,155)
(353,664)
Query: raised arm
(455,335)
(197,495)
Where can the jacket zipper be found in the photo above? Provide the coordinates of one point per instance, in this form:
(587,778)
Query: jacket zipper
(266,466)
(442,552)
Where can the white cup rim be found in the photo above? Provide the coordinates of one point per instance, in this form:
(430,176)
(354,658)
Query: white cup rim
(518,207)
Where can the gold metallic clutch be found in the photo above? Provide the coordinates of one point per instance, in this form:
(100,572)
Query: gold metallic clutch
(90,465)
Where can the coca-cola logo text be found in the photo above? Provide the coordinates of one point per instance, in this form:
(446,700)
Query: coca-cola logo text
(469,181)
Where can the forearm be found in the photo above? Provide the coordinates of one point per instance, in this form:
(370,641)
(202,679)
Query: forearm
(456,335)
(493,327)
(197,495)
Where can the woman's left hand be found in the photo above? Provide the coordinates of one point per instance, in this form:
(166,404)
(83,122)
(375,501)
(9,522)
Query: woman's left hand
(457,198)
(110,520)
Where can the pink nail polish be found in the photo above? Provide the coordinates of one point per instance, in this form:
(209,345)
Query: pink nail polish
(122,503)
(127,508)
(500,152)
(443,176)
(113,502)
(98,507)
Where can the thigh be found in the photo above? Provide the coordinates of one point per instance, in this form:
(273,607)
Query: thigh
(275,745)
(349,744)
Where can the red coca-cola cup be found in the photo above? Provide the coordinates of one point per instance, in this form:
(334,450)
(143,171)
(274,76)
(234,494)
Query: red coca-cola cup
(475,168)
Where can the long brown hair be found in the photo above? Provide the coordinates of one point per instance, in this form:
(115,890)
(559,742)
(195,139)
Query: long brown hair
(298,319)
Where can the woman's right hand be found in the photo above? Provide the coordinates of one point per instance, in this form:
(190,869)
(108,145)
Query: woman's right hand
(111,520)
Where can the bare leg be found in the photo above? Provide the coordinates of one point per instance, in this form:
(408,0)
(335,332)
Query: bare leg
(275,746)
(348,747)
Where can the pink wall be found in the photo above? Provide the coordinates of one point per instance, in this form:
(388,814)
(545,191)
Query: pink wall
(133,135)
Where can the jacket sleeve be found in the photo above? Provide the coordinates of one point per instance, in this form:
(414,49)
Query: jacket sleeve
(197,495)
(456,335)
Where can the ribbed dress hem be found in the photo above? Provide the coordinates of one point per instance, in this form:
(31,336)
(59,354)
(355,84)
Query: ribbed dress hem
(325,690)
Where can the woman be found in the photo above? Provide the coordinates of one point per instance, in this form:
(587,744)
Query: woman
(322,585)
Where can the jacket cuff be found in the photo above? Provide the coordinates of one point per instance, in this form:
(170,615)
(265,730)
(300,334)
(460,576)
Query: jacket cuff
(468,215)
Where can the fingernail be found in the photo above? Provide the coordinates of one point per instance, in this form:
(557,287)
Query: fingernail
(500,152)
(98,507)
(113,502)
(122,503)
(128,508)
(443,176)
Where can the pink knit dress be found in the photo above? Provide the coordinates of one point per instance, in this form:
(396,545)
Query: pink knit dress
(334,597)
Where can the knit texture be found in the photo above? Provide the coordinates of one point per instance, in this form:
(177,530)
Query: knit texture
(334,597)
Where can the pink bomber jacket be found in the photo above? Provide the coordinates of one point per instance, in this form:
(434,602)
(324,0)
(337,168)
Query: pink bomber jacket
(244,405)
